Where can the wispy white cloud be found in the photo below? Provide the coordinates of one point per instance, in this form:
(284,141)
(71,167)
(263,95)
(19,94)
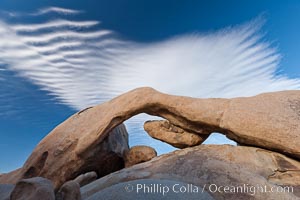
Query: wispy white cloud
(97,66)
(54,24)
(42,11)
(55,47)
(59,10)
(49,37)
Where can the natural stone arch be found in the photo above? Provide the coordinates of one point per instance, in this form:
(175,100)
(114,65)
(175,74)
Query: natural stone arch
(252,121)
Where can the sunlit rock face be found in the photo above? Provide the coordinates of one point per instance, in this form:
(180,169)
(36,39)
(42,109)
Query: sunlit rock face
(139,154)
(173,135)
(54,158)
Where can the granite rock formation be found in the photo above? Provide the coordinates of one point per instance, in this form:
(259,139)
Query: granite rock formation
(95,139)
(5,190)
(246,171)
(86,178)
(70,190)
(33,189)
(55,158)
(139,154)
(175,136)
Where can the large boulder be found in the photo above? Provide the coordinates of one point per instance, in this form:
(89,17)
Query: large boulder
(139,154)
(53,158)
(171,134)
(224,171)
(70,190)
(5,190)
(33,189)
(270,121)
(86,178)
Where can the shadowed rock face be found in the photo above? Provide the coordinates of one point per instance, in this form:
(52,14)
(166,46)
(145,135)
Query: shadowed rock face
(5,190)
(33,189)
(270,121)
(70,190)
(246,171)
(86,178)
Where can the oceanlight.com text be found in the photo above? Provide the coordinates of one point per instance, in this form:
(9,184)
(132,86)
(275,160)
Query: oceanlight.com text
(211,188)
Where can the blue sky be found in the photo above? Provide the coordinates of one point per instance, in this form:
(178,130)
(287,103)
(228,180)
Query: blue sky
(185,48)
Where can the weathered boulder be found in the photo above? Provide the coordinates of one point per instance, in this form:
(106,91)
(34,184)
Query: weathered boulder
(269,120)
(224,171)
(86,178)
(69,191)
(11,177)
(175,136)
(139,154)
(5,190)
(33,189)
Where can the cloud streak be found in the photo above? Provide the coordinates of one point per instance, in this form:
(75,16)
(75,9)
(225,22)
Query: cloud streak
(54,24)
(58,10)
(81,67)
(43,11)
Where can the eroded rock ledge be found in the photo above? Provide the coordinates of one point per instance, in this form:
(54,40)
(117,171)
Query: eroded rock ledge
(173,135)
(270,121)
